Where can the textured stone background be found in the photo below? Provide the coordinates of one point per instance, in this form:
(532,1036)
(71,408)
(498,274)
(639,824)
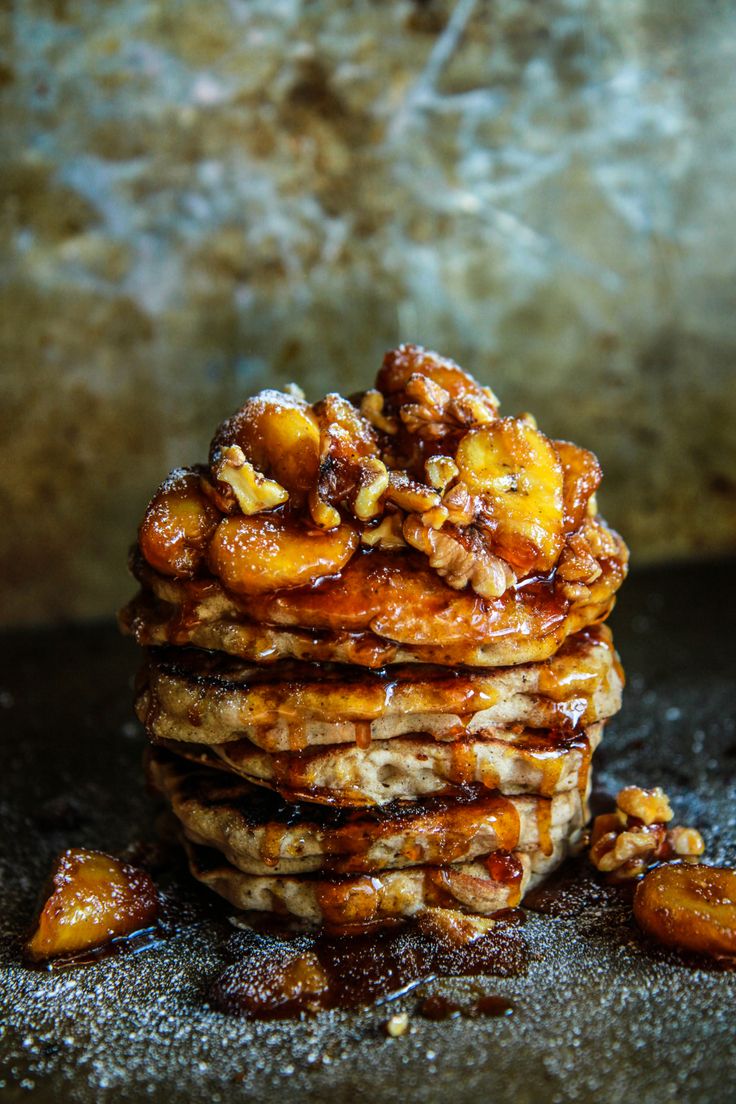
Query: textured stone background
(198,199)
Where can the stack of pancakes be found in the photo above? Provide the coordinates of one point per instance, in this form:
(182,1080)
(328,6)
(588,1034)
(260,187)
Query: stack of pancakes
(376,670)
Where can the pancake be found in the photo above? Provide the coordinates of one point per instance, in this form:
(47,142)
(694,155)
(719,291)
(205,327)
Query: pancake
(208,698)
(260,834)
(381,608)
(409,767)
(498,882)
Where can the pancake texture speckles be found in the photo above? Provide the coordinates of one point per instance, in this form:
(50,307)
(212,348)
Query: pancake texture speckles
(212,699)
(260,834)
(409,767)
(363,899)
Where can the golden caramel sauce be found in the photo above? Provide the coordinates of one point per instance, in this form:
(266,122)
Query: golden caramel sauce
(506,869)
(297,735)
(271,840)
(531,611)
(348,904)
(544,826)
(462,764)
(363,734)
(437,1008)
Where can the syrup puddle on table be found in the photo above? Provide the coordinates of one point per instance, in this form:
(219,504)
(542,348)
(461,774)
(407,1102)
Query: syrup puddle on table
(289,976)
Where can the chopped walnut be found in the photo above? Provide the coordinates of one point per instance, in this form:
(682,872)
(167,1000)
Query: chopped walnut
(371,407)
(574,592)
(462,506)
(577,564)
(387,535)
(436,517)
(648,806)
(686,842)
(624,844)
(323,515)
(253,491)
(431,410)
(426,413)
(600,540)
(397,1025)
(614,850)
(471,410)
(409,495)
(441,470)
(372,483)
(460,557)
(351,473)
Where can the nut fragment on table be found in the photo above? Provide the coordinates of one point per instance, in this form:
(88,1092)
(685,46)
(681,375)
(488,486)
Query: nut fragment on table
(625,843)
(397,1025)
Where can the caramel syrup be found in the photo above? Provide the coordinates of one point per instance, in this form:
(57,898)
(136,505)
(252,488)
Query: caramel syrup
(285,978)
(436,1007)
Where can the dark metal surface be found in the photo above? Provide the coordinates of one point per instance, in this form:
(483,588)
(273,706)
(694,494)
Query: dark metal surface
(600,1015)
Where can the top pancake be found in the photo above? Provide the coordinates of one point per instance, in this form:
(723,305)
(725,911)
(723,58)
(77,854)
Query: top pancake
(382,608)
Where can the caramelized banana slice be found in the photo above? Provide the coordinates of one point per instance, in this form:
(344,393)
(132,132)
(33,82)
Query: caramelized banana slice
(178,525)
(279,436)
(581,474)
(254,555)
(690,907)
(94,899)
(399,365)
(516,471)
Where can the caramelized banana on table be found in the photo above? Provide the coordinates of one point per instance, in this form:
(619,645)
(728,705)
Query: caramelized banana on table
(421,464)
(94,898)
(692,908)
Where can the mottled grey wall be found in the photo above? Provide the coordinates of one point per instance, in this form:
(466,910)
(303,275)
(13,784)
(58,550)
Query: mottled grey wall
(202,198)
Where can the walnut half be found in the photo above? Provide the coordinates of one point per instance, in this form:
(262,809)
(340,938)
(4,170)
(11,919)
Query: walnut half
(460,557)
(253,491)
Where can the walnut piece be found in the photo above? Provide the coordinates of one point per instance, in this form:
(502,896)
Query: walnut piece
(409,495)
(397,1025)
(387,534)
(460,557)
(371,407)
(253,491)
(624,844)
(372,483)
(462,506)
(577,564)
(323,515)
(426,413)
(441,470)
(648,806)
(686,842)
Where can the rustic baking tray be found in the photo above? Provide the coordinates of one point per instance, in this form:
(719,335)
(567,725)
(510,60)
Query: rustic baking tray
(599,1015)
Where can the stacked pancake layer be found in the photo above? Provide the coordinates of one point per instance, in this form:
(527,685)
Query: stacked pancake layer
(368,694)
